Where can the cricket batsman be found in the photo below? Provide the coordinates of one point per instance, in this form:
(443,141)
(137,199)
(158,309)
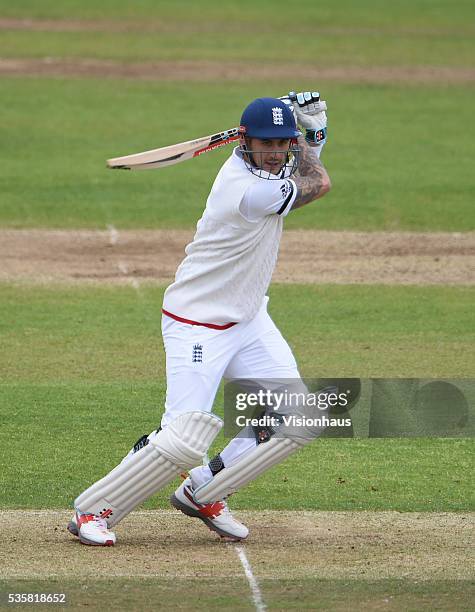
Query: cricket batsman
(215,325)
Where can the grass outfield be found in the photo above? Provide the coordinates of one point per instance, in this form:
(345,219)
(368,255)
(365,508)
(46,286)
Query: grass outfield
(419,13)
(349,45)
(232,594)
(399,155)
(389,168)
(82,368)
(86,364)
(112,334)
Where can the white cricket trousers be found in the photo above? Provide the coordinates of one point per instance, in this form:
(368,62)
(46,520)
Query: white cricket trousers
(198,358)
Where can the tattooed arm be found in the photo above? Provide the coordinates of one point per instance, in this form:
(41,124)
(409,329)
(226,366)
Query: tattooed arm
(311,178)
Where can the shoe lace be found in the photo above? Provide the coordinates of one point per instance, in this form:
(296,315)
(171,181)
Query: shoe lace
(100,522)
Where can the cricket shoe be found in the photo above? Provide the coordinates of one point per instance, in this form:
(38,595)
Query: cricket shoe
(215,515)
(91,530)
(73,527)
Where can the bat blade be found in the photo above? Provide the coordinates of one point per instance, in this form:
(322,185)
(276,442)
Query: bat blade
(173,154)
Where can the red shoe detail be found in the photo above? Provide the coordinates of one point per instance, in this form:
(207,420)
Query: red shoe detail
(212,510)
(84,518)
(106,513)
(209,510)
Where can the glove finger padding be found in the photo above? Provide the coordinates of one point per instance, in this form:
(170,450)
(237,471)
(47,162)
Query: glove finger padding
(309,112)
(308,102)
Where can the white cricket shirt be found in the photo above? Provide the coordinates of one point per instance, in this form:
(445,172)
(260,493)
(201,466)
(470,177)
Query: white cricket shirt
(229,264)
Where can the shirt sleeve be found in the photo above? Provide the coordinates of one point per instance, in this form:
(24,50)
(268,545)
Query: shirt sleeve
(264,198)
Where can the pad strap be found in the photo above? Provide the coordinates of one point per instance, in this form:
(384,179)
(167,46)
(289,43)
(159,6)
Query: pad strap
(259,460)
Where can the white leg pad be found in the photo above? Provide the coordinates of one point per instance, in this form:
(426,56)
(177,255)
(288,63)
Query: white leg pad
(231,479)
(180,446)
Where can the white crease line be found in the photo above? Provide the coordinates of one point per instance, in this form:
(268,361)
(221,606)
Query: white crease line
(113,235)
(123,267)
(256,592)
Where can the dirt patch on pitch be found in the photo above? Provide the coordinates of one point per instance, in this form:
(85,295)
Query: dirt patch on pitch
(199,70)
(203,70)
(306,256)
(286,545)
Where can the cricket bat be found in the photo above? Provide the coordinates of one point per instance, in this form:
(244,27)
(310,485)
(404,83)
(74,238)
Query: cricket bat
(173,154)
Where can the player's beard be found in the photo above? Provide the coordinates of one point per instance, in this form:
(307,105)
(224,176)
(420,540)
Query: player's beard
(269,166)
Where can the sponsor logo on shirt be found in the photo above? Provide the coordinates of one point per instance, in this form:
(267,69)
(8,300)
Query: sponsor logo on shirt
(285,188)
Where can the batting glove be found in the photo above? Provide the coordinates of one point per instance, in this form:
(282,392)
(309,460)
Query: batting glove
(309,112)
(286,100)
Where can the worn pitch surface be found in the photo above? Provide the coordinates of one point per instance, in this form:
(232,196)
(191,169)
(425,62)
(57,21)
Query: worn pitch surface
(306,256)
(299,560)
(282,544)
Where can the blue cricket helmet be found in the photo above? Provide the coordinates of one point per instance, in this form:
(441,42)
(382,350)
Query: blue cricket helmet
(268,118)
